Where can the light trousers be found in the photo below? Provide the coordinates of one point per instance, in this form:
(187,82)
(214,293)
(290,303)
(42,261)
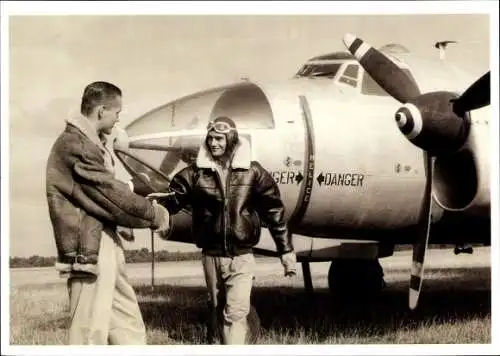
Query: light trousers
(229,281)
(104,308)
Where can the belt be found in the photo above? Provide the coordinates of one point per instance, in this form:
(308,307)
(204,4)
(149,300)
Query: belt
(81,259)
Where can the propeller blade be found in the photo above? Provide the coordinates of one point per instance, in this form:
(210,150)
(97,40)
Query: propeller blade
(420,246)
(475,97)
(383,70)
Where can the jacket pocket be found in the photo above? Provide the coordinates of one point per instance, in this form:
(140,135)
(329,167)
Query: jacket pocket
(246,228)
(205,224)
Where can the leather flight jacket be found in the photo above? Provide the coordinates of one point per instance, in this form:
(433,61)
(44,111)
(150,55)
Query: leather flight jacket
(227,215)
(84,199)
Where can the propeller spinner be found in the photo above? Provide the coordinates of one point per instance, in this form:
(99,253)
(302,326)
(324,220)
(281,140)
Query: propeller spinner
(437,122)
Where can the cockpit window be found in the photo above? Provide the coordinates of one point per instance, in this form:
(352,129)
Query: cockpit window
(328,70)
(350,75)
(351,71)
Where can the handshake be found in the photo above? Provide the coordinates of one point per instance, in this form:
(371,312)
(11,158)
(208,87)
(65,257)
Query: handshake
(289,262)
(161,223)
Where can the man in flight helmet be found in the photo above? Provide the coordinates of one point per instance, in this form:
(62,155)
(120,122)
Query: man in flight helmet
(230,194)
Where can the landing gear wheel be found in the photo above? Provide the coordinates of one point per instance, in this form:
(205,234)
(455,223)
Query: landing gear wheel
(355,279)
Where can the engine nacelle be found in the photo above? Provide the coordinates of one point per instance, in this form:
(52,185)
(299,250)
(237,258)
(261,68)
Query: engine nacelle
(462,179)
(430,123)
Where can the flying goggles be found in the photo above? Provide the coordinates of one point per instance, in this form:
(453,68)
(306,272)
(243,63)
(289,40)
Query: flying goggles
(220,127)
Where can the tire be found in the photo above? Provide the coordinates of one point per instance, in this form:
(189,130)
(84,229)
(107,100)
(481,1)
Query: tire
(354,279)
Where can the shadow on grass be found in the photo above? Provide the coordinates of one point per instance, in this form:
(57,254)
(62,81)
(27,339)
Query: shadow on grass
(182,310)
(60,322)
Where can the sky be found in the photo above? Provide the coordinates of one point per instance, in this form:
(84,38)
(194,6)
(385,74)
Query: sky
(155,59)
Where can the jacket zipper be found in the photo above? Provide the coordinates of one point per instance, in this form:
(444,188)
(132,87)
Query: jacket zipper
(224,214)
(226,203)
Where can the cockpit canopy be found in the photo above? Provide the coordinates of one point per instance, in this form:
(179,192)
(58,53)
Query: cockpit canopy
(343,69)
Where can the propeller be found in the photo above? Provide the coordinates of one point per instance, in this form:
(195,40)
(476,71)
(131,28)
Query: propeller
(384,71)
(475,97)
(437,122)
(422,241)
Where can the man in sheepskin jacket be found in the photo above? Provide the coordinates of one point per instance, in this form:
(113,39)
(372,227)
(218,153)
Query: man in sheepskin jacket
(86,204)
(230,195)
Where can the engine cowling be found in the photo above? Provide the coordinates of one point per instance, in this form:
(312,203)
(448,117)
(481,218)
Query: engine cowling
(461,179)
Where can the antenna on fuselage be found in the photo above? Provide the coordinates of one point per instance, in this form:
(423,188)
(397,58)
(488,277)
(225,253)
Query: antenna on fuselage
(441,45)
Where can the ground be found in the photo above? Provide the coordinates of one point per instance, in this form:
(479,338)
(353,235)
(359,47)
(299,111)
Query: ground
(455,305)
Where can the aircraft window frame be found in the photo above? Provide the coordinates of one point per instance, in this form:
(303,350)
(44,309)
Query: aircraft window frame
(122,155)
(309,67)
(348,79)
(349,66)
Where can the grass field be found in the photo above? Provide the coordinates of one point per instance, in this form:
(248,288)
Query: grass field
(455,308)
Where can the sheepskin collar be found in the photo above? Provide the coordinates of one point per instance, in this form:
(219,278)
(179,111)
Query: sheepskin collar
(241,159)
(84,125)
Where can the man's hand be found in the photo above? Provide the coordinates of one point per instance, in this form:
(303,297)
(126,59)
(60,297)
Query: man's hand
(141,185)
(162,220)
(289,262)
(126,233)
